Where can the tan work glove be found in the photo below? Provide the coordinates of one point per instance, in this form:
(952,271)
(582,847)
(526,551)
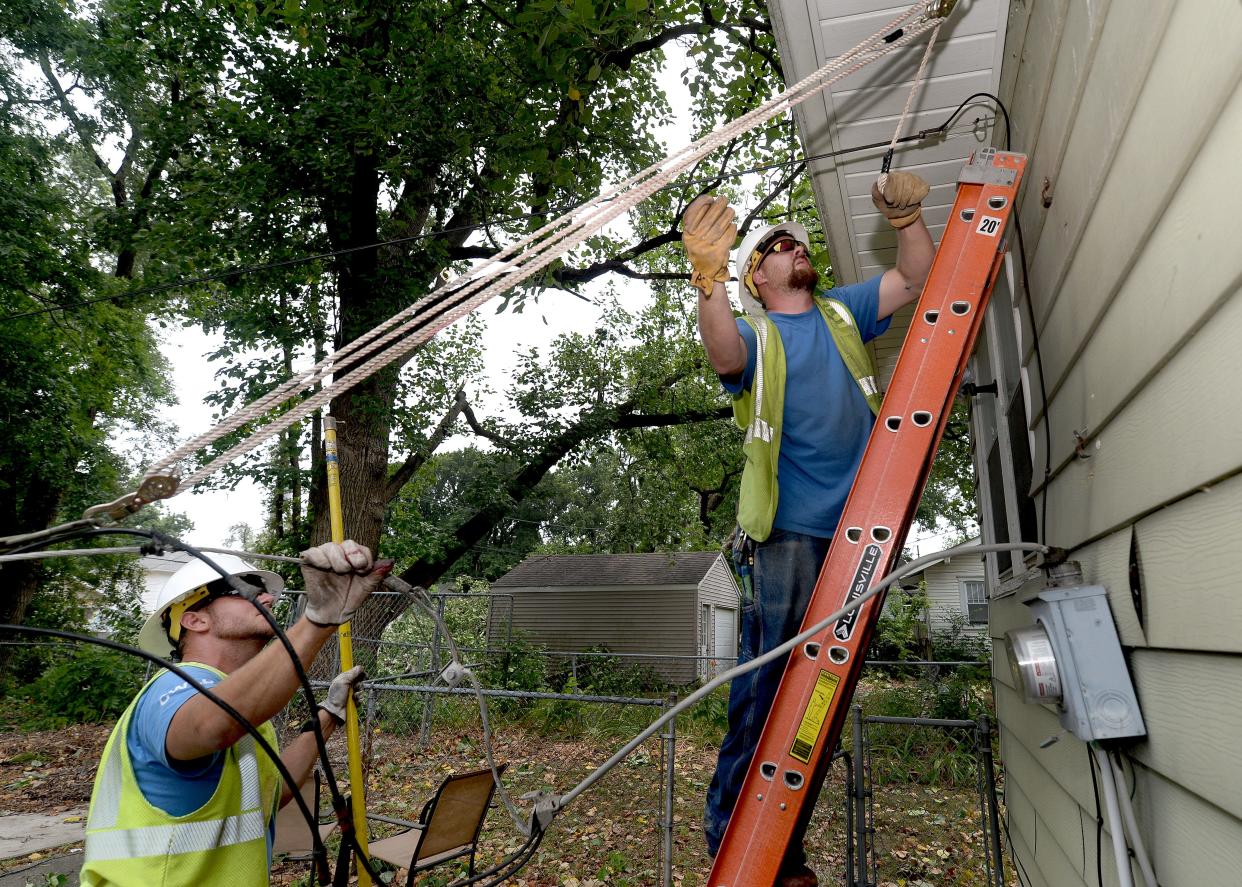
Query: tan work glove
(338,579)
(338,692)
(707,232)
(901,198)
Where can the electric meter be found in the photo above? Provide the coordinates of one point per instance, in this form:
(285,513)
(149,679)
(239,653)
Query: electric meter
(1034,664)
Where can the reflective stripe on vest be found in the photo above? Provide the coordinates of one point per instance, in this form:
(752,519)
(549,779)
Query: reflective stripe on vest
(105,842)
(758,427)
(223,843)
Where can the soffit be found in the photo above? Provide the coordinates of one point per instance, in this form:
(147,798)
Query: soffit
(865,107)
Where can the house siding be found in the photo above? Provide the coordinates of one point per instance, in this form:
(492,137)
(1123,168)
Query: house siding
(1133,117)
(943,586)
(655,621)
(719,591)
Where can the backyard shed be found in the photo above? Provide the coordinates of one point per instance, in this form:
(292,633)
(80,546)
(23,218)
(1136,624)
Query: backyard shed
(676,612)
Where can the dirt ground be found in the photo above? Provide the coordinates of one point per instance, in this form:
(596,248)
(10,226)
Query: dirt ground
(611,835)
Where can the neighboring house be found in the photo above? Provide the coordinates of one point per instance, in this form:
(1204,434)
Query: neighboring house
(1131,117)
(956,594)
(155,572)
(668,604)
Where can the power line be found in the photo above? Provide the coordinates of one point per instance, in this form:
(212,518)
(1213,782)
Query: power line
(244,270)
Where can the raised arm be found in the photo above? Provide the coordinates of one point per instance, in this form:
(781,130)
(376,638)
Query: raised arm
(708,232)
(901,203)
(338,579)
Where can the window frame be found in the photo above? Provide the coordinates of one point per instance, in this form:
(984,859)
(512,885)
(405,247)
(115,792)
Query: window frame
(963,584)
(998,358)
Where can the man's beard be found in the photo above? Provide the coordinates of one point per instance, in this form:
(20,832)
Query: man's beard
(803,278)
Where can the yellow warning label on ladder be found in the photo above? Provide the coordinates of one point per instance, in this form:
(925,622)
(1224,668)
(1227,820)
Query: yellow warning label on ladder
(814,716)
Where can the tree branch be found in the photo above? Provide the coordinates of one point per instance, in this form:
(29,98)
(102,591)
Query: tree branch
(75,121)
(477,427)
(410,466)
(598,421)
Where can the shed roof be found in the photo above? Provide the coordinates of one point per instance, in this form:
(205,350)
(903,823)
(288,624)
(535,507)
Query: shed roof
(659,568)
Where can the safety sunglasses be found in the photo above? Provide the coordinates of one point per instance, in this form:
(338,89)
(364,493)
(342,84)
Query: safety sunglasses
(780,245)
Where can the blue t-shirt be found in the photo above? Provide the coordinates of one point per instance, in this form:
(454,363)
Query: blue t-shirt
(827,421)
(173,787)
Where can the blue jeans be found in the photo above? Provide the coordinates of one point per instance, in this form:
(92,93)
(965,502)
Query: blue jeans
(785,570)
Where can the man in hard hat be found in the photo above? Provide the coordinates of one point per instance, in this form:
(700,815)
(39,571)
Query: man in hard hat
(805,390)
(184,796)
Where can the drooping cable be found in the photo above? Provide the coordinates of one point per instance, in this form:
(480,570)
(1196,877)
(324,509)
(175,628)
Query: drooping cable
(783,650)
(339,805)
(244,270)
(419,597)
(164,541)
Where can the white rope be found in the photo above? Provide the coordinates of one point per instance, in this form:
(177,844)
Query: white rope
(914,89)
(413,326)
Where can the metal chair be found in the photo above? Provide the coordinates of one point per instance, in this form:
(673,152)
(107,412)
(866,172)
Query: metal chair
(293,835)
(448,826)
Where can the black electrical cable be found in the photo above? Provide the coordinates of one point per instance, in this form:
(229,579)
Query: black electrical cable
(156,289)
(162,540)
(1023,878)
(319,851)
(1099,820)
(509,865)
(1030,308)
(339,805)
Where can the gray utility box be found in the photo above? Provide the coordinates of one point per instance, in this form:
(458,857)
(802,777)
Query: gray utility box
(1098,699)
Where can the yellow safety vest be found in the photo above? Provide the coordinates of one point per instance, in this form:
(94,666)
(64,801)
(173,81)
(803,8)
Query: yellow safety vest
(760,409)
(129,841)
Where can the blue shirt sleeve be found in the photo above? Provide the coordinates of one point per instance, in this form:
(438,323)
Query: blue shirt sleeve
(863,300)
(174,786)
(735,385)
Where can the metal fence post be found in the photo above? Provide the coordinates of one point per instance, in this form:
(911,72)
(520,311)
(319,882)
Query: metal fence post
(860,804)
(849,815)
(424,730)
(670,755)
(983,739)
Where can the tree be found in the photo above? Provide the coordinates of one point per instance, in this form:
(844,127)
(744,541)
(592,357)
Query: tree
(72,380)
(263,135)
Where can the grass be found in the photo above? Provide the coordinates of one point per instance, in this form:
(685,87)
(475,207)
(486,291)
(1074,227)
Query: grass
(925,803)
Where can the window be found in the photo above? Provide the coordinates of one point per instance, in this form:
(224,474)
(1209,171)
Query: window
(975,599)
(1003,442)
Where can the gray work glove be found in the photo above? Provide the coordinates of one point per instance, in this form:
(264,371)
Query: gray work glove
(338,692)
(338,579)
(901,198)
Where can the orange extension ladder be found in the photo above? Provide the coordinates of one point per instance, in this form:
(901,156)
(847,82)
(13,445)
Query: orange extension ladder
(810,709)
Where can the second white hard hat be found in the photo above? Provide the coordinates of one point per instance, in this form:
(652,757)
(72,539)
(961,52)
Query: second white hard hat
(188,580)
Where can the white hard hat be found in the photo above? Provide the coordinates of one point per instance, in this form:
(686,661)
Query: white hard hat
(187,587)
(741,263)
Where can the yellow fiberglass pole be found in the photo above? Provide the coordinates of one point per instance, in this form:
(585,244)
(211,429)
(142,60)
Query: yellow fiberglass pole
(346,643)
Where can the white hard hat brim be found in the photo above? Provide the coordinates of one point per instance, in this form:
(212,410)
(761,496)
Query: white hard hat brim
(153,638)
(750,242)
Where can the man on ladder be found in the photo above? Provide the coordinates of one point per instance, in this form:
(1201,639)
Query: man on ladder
(805,391)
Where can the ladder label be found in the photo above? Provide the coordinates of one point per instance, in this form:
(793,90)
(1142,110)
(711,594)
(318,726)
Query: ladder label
(862,581)
(989,225)
(814,716)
